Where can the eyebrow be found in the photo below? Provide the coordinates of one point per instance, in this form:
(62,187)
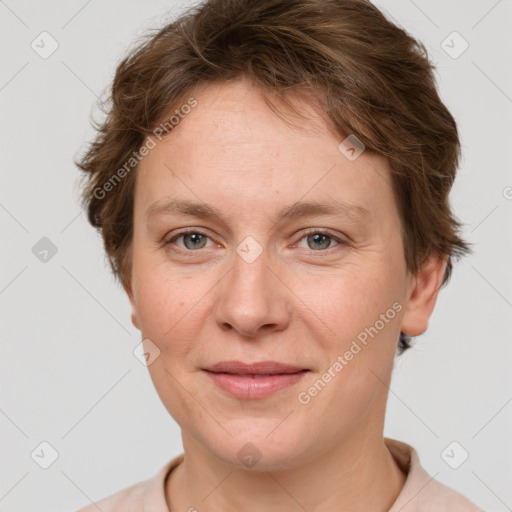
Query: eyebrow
(294,211)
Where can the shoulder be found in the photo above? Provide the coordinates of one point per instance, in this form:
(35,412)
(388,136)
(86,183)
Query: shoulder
(146,495)
(421,492)
(127,500)
(441,498)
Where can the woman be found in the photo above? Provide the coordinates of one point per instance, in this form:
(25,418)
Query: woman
(271,183)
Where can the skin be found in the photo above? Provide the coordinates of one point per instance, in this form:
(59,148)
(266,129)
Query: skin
(294,304)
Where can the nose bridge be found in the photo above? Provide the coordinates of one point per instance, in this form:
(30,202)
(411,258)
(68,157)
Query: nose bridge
(251,297)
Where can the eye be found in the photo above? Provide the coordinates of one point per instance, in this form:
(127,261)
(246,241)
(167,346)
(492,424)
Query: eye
(318,240)
(192,240)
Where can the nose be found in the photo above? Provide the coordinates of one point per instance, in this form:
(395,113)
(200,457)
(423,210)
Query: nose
(252,300)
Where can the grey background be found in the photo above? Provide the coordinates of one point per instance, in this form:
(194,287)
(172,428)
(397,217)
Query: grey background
(67,370)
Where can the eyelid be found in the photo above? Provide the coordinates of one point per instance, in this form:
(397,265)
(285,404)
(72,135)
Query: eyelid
(185,231)
(322,231)
(307,232)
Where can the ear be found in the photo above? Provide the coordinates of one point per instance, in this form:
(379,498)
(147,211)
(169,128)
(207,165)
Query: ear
(423,293)
(127,285)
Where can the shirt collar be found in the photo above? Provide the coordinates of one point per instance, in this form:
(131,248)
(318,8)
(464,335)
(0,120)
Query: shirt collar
(417,482)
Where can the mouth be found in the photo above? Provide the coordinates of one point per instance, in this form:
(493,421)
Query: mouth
(255,380)
(259,368)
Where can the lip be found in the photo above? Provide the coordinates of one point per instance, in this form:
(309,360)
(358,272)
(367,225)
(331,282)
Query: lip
(258,368)
(254,380)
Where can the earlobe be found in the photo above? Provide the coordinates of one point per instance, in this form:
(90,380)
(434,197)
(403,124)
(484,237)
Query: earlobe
(129,291)
(135,321)
(423,295)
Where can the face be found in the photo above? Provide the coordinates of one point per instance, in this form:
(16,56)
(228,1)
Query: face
(321,288)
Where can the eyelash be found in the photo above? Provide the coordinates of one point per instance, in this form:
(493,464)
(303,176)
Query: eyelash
(309,232)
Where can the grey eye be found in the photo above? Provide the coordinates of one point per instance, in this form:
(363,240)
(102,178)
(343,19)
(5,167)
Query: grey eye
(194,240)
(318,241)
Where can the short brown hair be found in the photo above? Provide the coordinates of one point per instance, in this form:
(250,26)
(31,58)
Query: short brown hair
(371,77)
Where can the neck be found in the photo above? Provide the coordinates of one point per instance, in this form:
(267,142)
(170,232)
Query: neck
(356,475)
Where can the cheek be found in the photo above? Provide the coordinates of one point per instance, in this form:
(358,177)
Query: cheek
(162,291)
(361,306)
(168,306)
(348,301)
(169,310)
(369,327)
(358,363)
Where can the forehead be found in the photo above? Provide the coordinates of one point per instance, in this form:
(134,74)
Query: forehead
(231,148)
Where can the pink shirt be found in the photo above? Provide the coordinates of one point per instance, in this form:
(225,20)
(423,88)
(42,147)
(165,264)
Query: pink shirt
(421,493)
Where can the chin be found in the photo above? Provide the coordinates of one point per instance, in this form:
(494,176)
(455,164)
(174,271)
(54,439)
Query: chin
(260,446)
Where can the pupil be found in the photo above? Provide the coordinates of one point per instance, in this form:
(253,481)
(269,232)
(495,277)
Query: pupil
(195,240)
(318,237)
